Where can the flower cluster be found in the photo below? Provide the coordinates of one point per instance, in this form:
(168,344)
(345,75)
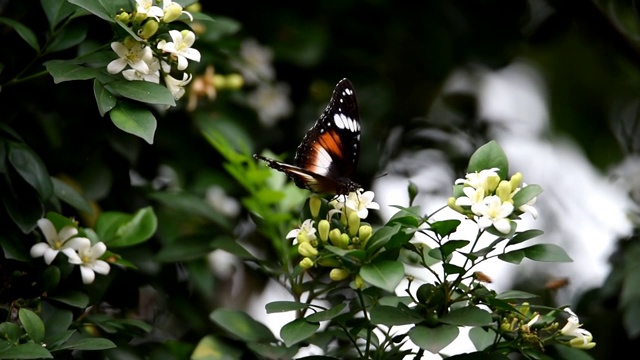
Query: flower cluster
(151,54)
(78,250)
(489,200)
(340,227)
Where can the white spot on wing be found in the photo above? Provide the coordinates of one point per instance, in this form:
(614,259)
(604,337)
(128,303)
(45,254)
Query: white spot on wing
(338,120)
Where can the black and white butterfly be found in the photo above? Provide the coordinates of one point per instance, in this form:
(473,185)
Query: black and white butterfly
(328,154)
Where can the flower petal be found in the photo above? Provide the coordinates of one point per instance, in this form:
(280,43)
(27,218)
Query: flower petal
(101,267)
(87,274)
(49,231)
(49,255)
(39,249)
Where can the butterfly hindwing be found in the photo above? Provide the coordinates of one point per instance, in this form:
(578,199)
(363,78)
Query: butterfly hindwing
(329,152)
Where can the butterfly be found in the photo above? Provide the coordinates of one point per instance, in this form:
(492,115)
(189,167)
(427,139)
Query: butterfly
(329,152)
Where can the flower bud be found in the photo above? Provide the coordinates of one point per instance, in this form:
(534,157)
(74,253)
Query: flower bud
(124,17)
(306,263)
(504,191)
(172,12)
(306,249)
(149,29)
(492,182)
(354,223)
(329,262)
(323,229)
(314,205)
(451,202)
(235,81)
(516,180)
(139,17)
(338,274)
(582,342)
(364,233)
(359,282)
(194,8)
(524,308)
(344,241)
(129,42)
(219,81)
(334,236)
(302,237)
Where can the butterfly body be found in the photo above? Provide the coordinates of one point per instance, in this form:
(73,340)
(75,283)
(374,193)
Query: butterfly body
(328,153)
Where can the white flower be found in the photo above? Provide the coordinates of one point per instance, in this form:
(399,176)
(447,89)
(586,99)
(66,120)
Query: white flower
(87,256)
(582,338)
(270,102)
(131,53)
(177,86)
(56,241)
(488,179)
(255,64)
(152,76)
(307,228)
(492,211)
(474,196)
(146,7)
(360,202)
(181,47)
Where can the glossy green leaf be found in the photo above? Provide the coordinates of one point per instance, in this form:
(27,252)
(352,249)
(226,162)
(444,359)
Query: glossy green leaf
(450,246)
(433,339)
(355,255)
(445,227)
(328,314)
(21,202)
(105,9)
(546,252)
(217,27)
(283,306)
(232,246)
(26,351)
(297,330)
(384,274)
(104,98)
(32,324)
(56,11)
(392,316)
(10,331)
(31,168)
(524,236)
(481,338)
(467,316)
(69,70)
(89,343)
(188,203)
(121,230)
(489,155)
(514,257)
(185,248)
(515,295)
(240,325)
(142,91)
(525,194)
(24,32)
(68,194)
(483,356)
(69,36)
(213,348)
(134,119)
(71,297)
(381,237)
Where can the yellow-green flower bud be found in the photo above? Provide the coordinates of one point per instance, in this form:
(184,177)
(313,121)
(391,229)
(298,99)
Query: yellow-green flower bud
(524,308)
(194,8)
(334,236)
(338,274)
(354,223)
(306,263)
(235,81)
(323,230)
(492,182)
(219,81)
(129,42)
(123,17)
(302,237)
(582,342)
(364,233)
(149,29)
(314,205)
(172,12)
(185,33)
(329,262)
(359,282)
(516,180)
(139,17)
(504,191)
(306,249)
(344,241)
(451,202)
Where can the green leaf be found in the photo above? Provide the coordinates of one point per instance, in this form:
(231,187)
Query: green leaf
(283,306)
(212,348)
(24,32)
(134,119)
(69,70)
(232,246)
(69,36)
(26,351)
(481,338)
(433,339)
(216,27)
(450,246)
(105,9)
(514,257)
(56,11)
(10,331)
(525,194)
(354,255)
(467,316)
(185,248)
(14,247)
(484,356)
(71,297)
(118,229)
(328,314)
(31,168)
(69,195)
(445,227)
(392,316)
(524,236)
(32,324)
(142,91)
(104,98)
(240,325)
(381,237)
(188,203)
(21,202)
(515,295)
(90,343)
(489,155)
(384,274)
(297,330)
(546,252)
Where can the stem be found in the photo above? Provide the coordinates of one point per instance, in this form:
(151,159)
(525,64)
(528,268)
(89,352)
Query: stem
(364,313)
